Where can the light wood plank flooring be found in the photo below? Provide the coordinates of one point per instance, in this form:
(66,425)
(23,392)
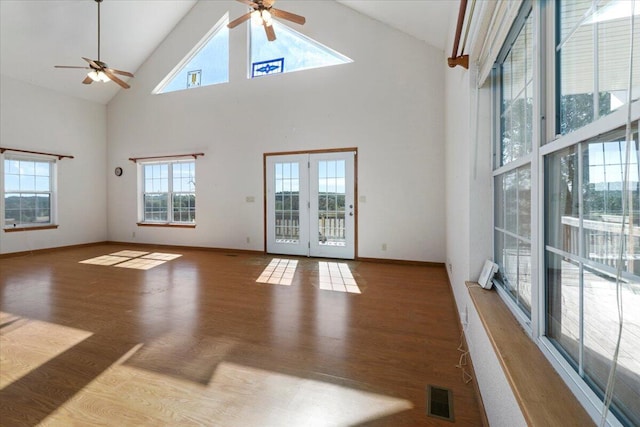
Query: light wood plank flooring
(197,341)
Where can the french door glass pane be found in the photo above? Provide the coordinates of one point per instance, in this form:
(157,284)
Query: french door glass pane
(287,196)
(331,202)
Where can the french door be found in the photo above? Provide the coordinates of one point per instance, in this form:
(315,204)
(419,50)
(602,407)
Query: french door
(311,204)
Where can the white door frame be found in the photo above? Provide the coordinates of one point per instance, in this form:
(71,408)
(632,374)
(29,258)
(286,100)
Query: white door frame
(307,245)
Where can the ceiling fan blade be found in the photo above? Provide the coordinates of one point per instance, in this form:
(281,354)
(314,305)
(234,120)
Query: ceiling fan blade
(288,16)
(113,77)
(249,3)
(122,73)
(71,66)
(87,80)
(92,63)
(271,35)
(268,3)
(239,21)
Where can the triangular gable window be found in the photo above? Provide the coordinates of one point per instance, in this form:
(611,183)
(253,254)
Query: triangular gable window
(206,64)
(291,51)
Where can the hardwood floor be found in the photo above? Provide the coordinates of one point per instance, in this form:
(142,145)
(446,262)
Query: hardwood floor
(197,341)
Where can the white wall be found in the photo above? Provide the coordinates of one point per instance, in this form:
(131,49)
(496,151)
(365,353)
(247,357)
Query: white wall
(388,103)
(469,228)
(37,119)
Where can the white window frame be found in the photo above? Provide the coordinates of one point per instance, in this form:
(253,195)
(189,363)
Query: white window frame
(52,192)
(170,192)
(546,141)
(530,324)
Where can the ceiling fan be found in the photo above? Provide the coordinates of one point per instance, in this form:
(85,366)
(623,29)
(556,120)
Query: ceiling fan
(99,70)
(263,13)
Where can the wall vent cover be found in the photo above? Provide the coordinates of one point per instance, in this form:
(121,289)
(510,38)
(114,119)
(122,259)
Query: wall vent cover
(440,403)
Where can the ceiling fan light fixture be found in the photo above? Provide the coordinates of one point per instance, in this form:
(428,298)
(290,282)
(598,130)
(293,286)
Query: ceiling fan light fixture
(103,77)
(266,17)
(97,68)
(256,19)
(98,76)
(93,75)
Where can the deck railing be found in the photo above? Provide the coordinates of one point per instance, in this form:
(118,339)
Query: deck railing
(602,241)
(329,229)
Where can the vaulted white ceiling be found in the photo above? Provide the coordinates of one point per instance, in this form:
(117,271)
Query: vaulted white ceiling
(35,35)
(426,20)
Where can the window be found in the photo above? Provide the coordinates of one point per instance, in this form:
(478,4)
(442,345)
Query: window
(585,191)
(169,192)
(28,192)
(291,51)
(584,199)
(513,78)
(207,63)
(513,234)
(593,44)
(558,263)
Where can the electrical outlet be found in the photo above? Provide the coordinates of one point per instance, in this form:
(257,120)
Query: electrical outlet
(133,234)
(450,268)
(384,246)
(464,317)
(248,240)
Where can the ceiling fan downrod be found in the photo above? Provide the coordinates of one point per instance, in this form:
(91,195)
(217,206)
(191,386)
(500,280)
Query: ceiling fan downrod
(98,1)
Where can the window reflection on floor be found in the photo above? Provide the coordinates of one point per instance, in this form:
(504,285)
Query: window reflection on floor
(336,276)
(332,276)
(130,254)
(105,260)
(132,259)
(279,272)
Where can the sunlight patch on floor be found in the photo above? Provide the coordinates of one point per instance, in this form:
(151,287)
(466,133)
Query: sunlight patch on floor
(27,344)
(132,259)
(336,276)
(235,395)
(140,264)
(130,254)
(279,272)
(105,260)
(161,256)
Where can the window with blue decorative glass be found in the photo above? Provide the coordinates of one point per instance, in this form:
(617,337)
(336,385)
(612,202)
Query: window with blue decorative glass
(206,64)
(291,51)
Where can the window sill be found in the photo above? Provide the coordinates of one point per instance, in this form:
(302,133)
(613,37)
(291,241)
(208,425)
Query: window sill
(165,224)
(39,227)
(543,396)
